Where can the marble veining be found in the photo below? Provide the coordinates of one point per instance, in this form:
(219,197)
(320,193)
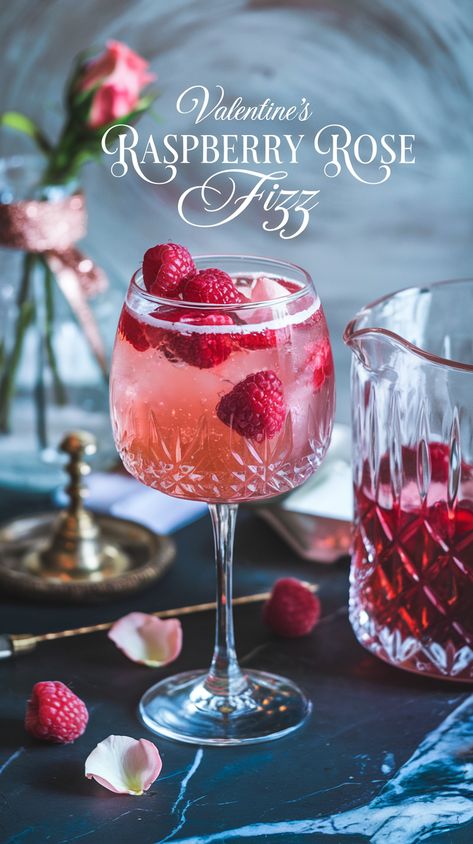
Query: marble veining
(180,800)
(11,759)
(430,794)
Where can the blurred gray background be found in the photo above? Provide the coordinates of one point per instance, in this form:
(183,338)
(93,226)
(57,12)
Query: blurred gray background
(374,65)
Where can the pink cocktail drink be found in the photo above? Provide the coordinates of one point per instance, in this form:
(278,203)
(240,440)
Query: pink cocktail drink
(169,376)
(222,390)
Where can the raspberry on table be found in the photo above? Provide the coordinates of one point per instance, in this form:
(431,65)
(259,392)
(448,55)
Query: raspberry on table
(165,268)
(255,407)
(292,610)
(54,713)
(204,350)
(212,286)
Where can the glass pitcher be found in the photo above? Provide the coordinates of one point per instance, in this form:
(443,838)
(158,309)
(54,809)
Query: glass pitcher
(411,595)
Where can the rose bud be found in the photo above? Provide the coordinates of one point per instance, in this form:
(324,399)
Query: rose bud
(115,80)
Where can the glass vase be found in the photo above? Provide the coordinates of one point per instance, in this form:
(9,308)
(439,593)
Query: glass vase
(52,379)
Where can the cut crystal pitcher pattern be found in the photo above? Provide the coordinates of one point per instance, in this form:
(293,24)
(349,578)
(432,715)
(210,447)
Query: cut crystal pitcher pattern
(411,600)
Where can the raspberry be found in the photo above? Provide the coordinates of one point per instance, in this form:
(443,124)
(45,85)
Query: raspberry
(255,407)
(213,286)
(141,335)
(54,713)
(265,339)
(168,314)
(202,350)
(292,610)
(321,360)
(132,330)
(165,267)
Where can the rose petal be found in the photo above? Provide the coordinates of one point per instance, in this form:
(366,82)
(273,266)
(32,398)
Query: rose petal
(124,765)
(147,639)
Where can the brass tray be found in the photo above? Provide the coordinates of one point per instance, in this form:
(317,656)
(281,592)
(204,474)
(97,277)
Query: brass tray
(137,557)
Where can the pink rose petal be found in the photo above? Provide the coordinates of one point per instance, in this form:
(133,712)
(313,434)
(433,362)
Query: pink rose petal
(147,639)
(124,765)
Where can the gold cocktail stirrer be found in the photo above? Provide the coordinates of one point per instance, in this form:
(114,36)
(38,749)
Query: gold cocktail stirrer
(12,644)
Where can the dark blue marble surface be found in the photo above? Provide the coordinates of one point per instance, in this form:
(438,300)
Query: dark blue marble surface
(386,757)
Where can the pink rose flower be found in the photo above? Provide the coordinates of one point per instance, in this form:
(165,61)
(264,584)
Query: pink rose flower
(119,75)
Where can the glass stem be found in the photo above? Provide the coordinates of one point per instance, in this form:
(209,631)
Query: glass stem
(225,677)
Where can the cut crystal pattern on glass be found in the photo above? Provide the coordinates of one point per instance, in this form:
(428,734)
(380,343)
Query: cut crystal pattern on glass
(412,586)
(246,468)
(411,597)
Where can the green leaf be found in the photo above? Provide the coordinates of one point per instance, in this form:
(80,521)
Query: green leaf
(70,90)
(143,105)
(22,123)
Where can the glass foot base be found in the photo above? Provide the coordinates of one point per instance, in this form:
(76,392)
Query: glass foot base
(183,708)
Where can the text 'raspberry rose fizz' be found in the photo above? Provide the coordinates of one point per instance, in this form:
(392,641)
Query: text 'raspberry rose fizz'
(222,390)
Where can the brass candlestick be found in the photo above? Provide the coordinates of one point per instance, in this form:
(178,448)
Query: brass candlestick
(78,555)
(78,549)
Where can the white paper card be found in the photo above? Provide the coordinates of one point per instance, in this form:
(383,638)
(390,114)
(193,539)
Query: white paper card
(329,493)
(126,498)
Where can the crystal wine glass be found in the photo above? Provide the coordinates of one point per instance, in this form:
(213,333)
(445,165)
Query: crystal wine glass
(224,404)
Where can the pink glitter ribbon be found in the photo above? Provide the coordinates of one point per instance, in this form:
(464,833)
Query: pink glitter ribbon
(51,228)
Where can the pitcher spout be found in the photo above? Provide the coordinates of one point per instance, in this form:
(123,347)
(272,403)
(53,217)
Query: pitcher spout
(369,343)
(416,325)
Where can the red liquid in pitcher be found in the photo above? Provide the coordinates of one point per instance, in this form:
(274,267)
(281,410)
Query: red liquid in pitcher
(412,573)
